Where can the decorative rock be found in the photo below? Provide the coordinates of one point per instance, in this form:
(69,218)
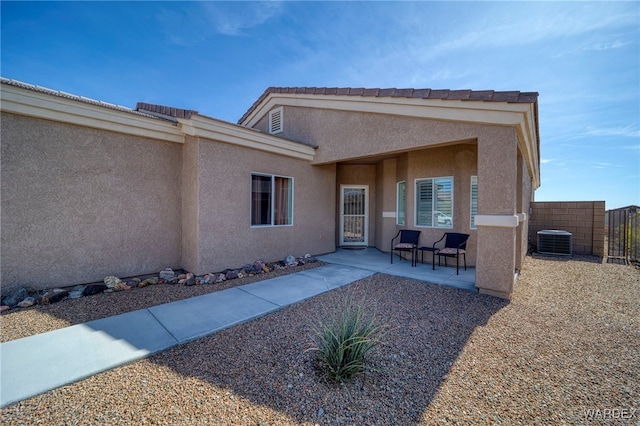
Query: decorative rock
(114,283)
(29,301)
(190,279)
(53,296)
(149,281)
(290,259)
(93,289)
(220,278)
(4,308)
(231,274)
(15,296)
(76,292)
(167,274)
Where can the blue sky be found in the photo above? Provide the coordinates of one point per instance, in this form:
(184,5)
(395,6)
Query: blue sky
(218,57)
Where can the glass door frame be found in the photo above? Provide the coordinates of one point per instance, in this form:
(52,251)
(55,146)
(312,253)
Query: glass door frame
(342,241)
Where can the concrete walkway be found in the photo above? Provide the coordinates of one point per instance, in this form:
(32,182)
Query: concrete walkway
(39,363)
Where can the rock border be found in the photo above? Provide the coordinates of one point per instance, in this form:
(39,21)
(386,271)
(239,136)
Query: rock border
(22,297)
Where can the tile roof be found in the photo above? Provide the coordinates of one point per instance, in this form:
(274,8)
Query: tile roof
(446,94)
(167,111)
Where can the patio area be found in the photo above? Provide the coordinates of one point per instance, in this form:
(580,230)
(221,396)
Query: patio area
(373,259)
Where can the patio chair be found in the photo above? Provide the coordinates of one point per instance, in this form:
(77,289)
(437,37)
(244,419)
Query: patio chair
(455,245)
(408,243)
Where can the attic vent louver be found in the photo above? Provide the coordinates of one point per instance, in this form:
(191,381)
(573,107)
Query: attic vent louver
(551,241)
(276,121)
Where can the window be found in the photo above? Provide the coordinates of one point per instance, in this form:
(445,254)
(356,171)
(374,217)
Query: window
(474,201)
(276,124)
(271,200)
(401,203)
(434,202)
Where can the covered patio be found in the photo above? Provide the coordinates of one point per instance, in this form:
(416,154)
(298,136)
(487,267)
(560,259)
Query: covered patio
(375,260)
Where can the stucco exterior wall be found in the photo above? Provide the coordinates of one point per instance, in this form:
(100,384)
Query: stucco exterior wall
(385,215)
(226,237)
(347,135)
(79,204)
(497,195)
(190,203)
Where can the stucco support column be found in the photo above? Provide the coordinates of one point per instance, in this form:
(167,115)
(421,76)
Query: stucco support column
(190,204)
(497,220)
(385,215)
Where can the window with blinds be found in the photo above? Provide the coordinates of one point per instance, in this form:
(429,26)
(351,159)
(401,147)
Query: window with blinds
(474,201)
(434,202)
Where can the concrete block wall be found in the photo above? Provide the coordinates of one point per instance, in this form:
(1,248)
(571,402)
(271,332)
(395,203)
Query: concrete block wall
(584,219)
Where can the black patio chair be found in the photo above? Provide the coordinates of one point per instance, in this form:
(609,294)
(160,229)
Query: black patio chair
(455,245)
(408,243)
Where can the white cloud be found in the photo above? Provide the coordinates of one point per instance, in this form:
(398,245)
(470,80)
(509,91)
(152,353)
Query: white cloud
(234,18)
(187,23)
(627,131)
(607,46)
(537,22)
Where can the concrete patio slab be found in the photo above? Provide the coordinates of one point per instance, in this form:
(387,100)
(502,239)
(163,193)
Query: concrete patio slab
(376,261)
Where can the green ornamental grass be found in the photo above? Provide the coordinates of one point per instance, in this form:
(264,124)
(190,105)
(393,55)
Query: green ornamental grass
(342,340)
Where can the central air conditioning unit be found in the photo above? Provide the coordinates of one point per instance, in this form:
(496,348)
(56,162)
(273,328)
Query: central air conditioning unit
(553,241)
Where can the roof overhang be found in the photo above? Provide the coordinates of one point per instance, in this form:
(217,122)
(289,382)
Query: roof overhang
(220,131)
(24,101)
(523,116)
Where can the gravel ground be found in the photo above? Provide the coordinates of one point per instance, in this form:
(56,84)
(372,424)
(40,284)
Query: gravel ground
(566,345)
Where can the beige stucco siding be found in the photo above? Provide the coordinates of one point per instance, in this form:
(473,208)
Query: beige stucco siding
(386,197)
(79,203)
(226,237)
(347,135)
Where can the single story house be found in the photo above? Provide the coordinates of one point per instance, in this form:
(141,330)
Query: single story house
(92,189)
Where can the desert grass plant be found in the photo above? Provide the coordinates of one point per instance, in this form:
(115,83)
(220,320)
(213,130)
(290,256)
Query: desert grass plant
(342,339)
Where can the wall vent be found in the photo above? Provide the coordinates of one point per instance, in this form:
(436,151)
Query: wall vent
(553,241)
(276,124)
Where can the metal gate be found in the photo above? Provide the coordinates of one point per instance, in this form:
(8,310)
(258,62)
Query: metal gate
(624,235)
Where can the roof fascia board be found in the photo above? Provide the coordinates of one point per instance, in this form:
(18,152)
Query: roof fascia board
(457,110)
(236,135)
(41,105)
(527,138)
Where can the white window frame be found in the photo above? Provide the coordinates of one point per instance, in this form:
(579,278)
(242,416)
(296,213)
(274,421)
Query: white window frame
(434,219)
(472,214)
(398,203)
(276,114)
(272,204)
